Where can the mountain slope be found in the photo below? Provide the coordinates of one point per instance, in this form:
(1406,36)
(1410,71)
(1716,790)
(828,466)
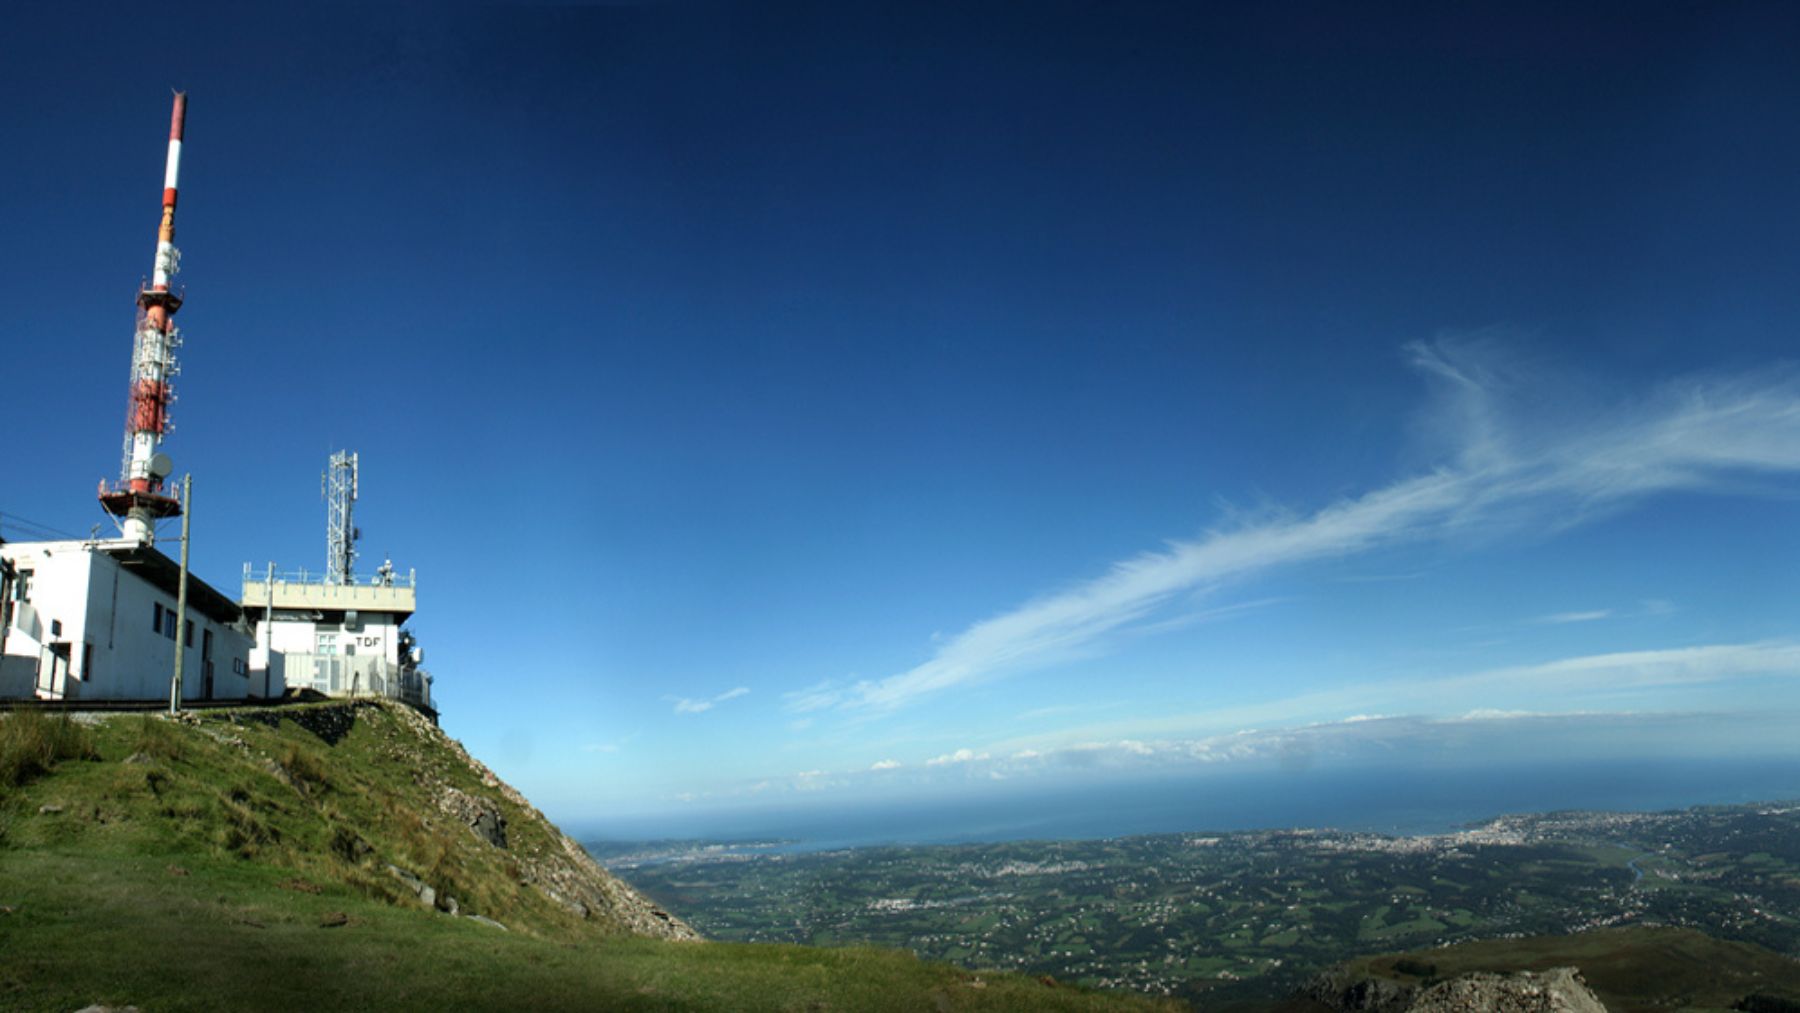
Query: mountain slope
(330,856)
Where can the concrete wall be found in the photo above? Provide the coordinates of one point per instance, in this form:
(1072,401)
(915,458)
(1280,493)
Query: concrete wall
(106,615)
(373,635)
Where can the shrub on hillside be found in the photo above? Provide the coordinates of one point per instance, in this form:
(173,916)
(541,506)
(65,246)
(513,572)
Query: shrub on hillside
(32,742)
(1416,968)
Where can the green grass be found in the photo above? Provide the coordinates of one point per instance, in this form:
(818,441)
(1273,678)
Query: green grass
(228,936)
(193,867)
(32,744)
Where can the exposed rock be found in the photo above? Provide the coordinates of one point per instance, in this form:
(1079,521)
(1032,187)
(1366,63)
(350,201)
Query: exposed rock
(280,773)
(98,1008)
(334,920)
(49,809)
(427,896)
(1340,990)
(564,872)
(480,815)
(330,724)
(488,922)
(1558,990)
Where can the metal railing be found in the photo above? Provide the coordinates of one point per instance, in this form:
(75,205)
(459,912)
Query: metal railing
(318,578)
(357,675)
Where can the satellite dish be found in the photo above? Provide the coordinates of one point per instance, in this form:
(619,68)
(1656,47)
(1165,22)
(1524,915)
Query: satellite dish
(161,467)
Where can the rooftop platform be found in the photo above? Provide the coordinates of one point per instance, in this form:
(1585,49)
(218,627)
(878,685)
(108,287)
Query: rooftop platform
(397,593)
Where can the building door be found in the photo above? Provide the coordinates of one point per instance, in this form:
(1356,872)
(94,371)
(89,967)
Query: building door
(327,667)
(206,663)
(53,672)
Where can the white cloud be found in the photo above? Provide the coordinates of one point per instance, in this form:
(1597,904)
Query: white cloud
(1559,618)
(685,705)
(1491,733)
(1512,463)
(1576,683)
(818,696)
(960,756)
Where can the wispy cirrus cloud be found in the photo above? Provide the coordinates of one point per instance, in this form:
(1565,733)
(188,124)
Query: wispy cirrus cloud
(1510,462)
(686,705)
(1564,618)
(1582,682)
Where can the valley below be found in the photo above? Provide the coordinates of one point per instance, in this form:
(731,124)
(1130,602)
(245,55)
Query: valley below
(1220,917)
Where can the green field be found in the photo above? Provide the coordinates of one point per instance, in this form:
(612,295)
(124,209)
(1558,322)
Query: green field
(1253,915)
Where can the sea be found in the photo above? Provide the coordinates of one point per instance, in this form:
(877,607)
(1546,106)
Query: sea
(1402,801)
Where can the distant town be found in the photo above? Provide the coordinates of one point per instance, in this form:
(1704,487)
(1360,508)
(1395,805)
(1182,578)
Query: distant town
(1232,915)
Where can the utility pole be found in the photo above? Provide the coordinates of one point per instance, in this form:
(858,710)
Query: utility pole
(187,495)
(269,631)
(6,608)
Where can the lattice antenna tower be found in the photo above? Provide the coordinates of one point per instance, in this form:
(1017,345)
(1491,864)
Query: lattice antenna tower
(138,499)
(339,486)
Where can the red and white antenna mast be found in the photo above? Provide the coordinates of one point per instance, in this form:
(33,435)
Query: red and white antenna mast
(138,497)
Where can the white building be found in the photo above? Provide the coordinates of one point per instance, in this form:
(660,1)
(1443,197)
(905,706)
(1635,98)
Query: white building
(337,639)
(95,620)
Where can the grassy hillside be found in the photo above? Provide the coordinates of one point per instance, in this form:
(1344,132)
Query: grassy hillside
(306,856)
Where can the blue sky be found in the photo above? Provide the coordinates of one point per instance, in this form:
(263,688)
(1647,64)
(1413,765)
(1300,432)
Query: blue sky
(791,403)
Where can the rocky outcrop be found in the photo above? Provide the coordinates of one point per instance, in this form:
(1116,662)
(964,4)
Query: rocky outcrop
(1558,990)
(482,817)
(563,871)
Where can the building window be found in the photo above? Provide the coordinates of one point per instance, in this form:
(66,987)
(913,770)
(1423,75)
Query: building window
(187,638)
(327,643)
(169,624)
(87,662)
(21,586)
(237,666)
(56,627)
(156,617)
